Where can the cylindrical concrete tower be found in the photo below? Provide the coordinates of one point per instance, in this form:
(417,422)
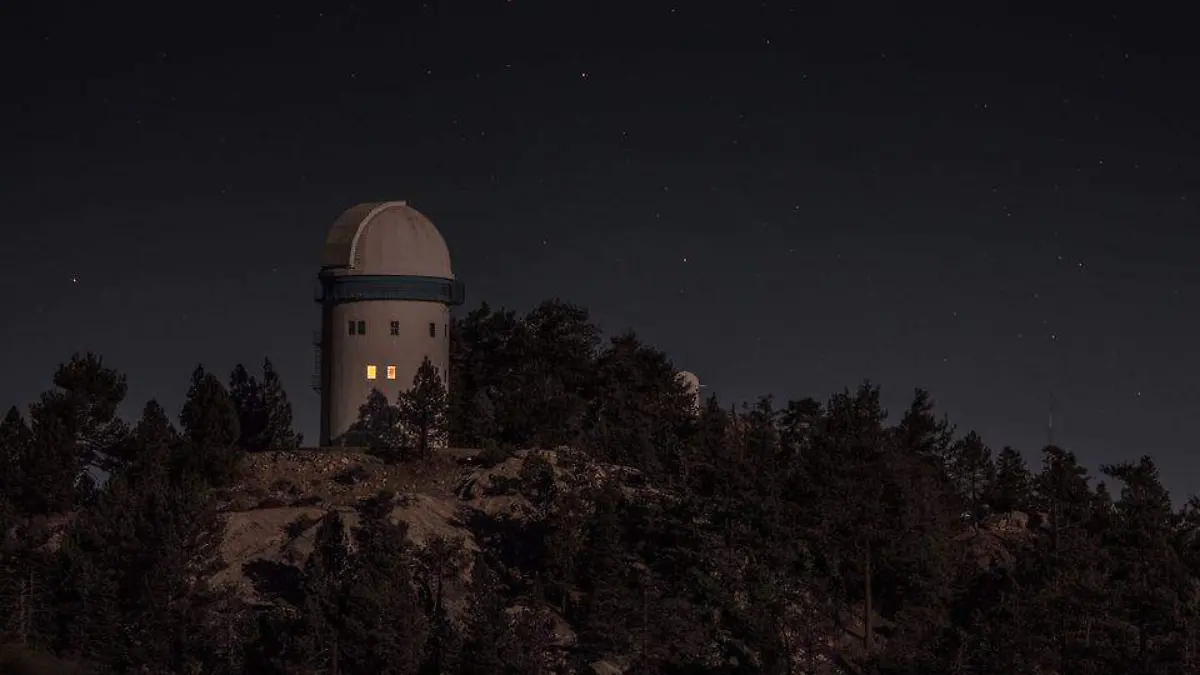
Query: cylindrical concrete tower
(386,289)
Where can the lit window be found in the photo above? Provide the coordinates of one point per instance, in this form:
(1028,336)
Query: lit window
(350,326)
(433,330)
(391,372)
(395,328)
(362,327)
(370,372)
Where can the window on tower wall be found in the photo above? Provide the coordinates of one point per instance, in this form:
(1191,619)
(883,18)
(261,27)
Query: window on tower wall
(433,330)
(395,328)
(391,372)
(362,327)
(370,372)
(350,326)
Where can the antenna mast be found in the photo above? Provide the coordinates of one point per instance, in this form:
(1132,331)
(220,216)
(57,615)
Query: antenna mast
(1050,421)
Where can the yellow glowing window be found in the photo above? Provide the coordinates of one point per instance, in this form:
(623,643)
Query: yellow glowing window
(370,372)
(391,372)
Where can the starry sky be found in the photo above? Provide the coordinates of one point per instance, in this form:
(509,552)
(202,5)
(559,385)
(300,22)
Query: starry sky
(785,197)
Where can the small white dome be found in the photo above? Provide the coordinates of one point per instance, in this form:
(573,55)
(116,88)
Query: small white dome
(386,238)
(690,381)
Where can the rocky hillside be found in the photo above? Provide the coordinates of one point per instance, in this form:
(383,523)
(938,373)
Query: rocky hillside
(280,499)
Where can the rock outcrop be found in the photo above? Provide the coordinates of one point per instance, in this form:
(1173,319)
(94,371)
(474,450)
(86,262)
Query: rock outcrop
(280,499)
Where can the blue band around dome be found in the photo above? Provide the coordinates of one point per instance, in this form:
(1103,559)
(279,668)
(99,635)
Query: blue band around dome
(359,288)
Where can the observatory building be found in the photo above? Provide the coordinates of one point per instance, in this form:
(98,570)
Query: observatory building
(386,288)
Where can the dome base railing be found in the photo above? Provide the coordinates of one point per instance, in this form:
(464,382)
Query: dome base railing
(359,288)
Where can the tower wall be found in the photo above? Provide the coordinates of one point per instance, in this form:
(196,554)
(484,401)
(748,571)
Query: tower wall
(350,355)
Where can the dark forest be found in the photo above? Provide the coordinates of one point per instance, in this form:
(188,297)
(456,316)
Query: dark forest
(806,536)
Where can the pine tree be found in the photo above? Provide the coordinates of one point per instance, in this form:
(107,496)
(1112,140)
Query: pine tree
(247,397)
(485,623)
(797,422)
(153,442)
(1064,572)
(762,431)
(51,468)
(386,629)
(26,612)
(209,423)
(849,470)
(16,441)
(441,559)
(638,407)
(277,433)
(1011,489)
(1151,595)
(316,641)
(481,360)
(84,402)
(970,467)
(378,426)
(131,574)
(360,610)
(921,433)
(610,602)
(422,409)
(549,362)
(1061,490)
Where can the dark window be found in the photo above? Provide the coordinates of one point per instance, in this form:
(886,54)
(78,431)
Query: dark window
(446,330)
(433,330)
(395,328)
(362,327)
(350,325)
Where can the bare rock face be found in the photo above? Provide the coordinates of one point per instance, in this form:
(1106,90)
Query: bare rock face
(993,542)
(275,509)
(277,505)
(273,513)
(1011,524)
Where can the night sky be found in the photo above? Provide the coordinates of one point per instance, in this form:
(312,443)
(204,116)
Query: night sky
(989,205)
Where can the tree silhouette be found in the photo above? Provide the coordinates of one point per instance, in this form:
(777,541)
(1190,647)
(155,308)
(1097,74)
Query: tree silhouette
(1011,488)
(247,397)
(84,402)
(378,426)
(970,467)
(16,446)
(209,424)
(276,433)
(153,443)
(422,409)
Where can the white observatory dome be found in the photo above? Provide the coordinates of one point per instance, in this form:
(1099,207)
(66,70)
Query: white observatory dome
(386,238)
